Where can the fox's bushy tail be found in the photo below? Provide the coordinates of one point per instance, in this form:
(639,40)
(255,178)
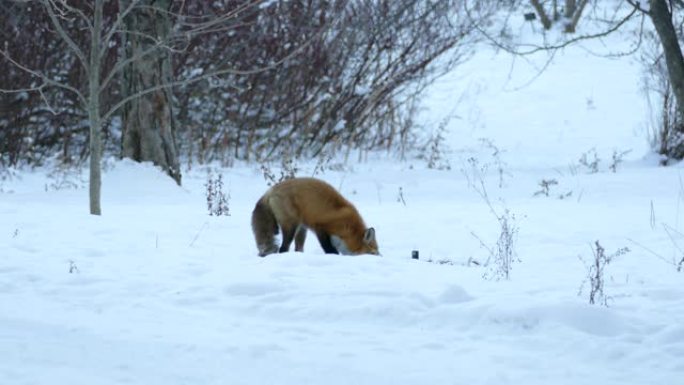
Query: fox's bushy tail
(265,228)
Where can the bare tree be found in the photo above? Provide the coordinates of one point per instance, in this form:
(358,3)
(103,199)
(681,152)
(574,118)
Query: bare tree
(572,13)
(148,121)
(89,56)
(667,18)
(90,48)
(661,13)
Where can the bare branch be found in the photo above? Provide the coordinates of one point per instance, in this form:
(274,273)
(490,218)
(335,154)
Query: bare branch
(46,80)
(637,5)
(64,35)
(204,26)
(198,28)
(659,256)
(47,103)
(69,8)
(227,71)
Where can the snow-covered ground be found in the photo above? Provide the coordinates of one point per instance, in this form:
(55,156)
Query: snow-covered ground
(155,291)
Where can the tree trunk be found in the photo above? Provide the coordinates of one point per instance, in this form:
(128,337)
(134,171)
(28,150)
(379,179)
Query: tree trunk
(569,8)
(662,21)
(574,16)
(148,120)
(95,183)
(546,22)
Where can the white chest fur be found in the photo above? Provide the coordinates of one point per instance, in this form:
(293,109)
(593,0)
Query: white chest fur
(339,244)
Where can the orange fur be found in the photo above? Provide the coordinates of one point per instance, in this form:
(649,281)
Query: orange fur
(295,205)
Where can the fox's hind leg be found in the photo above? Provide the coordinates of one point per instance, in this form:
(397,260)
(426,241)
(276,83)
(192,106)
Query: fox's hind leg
(300,237)
(265,227)
(288,232)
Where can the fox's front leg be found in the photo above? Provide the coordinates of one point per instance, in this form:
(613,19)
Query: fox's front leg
(326,243)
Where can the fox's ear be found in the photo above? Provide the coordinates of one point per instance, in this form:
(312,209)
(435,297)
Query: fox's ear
(369,235)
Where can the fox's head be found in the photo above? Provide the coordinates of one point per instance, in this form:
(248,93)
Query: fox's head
(368,244)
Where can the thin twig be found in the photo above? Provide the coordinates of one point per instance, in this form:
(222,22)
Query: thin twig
(651,251)
(41,76)
(204,225)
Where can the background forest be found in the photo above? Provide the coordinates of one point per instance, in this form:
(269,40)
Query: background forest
(240,79)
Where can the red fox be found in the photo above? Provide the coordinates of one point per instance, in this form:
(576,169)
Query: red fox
(298,204)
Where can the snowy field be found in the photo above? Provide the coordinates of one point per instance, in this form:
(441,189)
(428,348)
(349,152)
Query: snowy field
(156,291)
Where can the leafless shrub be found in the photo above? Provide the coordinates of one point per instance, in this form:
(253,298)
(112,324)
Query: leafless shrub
(288,170)
(217,198)
(590,161)
(65,177)
(353,84)
(470,262)
(73,268)
(596,273)
(545,185)
(496,159)
(502,253)
(565,195)
(400,196)
(617,158)
(436,149)
(545,189)
(443,261)
(354,74)
(325,160)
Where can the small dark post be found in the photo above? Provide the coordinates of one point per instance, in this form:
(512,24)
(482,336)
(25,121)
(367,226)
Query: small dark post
(414,254)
